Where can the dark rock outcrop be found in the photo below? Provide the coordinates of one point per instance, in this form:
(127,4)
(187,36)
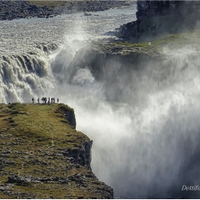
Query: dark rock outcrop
(80,156)
(10,9)
(156,18)
(21,9)
(68,115)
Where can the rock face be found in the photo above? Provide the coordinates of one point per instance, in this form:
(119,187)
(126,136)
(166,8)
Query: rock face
(10,9)
(155,18)
(69,115)
(21,9)
(43,156)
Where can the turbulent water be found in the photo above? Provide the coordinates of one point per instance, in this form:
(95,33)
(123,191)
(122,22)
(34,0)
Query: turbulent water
(146,139)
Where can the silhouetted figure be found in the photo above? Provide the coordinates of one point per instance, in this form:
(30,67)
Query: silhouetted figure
(32,100)
(57,100)
(45,100)
(38,100)
(52,100)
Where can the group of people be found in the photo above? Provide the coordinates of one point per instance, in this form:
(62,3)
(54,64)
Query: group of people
(44,100)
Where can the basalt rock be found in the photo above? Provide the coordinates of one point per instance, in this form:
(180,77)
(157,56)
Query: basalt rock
(44,9)
(157,18)
(69,115)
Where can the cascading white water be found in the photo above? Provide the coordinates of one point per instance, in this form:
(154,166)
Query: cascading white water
(146,148)
(24,76)
(25,43)
(146,142)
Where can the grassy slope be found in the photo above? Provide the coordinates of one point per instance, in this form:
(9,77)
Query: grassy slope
(43,123)
(31,140)
(155,47)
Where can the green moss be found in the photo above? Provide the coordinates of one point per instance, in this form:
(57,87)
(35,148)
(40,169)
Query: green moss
(31,147)
(176,41)
(41,122)
(155,48)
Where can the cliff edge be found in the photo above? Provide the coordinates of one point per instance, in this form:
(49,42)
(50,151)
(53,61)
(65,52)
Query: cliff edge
(43,156)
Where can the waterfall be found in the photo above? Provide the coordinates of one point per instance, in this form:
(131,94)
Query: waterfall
(146,141)
(144,121)
(24,76)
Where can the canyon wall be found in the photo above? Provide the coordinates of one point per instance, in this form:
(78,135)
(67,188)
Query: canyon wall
(157,18)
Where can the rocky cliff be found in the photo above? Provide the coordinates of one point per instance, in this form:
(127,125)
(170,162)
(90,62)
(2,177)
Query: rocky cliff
(10,9)
(43,156)
(157,18)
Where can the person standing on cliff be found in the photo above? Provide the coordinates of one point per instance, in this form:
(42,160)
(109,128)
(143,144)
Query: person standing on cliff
(32,100)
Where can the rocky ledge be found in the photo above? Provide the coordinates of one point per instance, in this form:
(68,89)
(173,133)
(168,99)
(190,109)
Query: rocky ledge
(158,18)
(43,156)
(10,9)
